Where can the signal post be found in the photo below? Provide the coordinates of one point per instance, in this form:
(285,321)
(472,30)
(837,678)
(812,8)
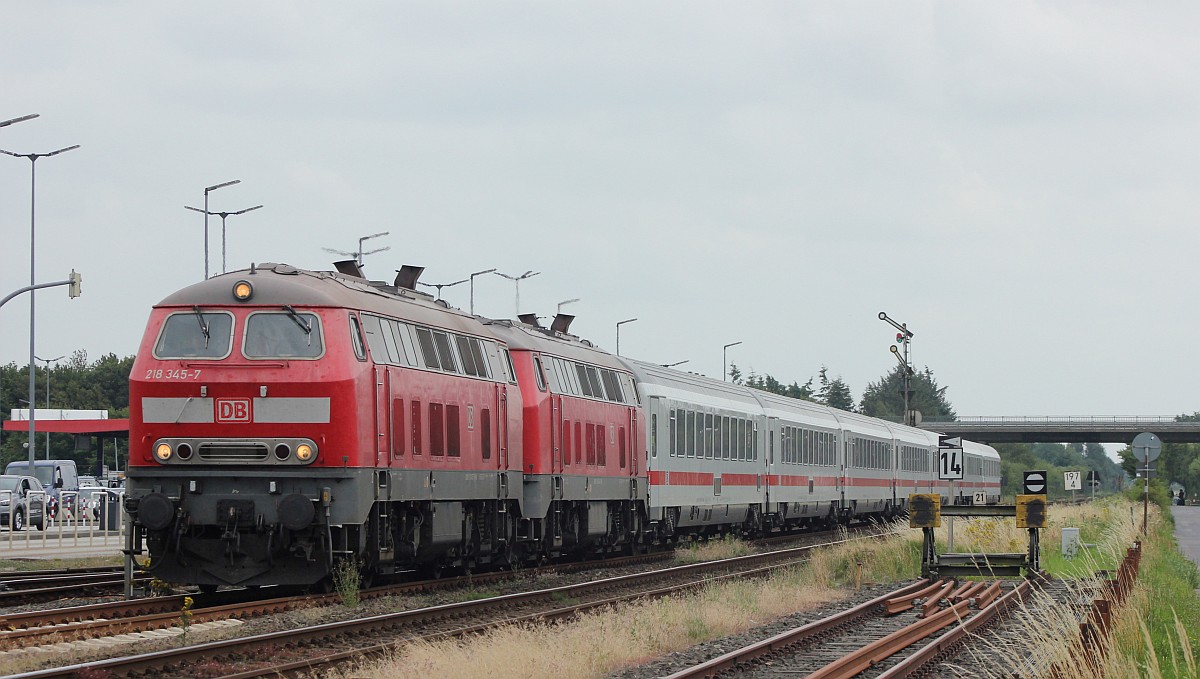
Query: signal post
(926,511)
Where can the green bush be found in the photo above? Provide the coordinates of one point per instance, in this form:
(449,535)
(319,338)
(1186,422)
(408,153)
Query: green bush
(1159,493)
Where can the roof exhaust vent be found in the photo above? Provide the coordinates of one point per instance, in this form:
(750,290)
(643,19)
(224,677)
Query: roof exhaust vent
(529,319)
(561,323)
(350,267)
(407,275)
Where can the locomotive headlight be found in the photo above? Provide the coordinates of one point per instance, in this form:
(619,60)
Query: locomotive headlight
(304,452)
(163,452)
(242,290)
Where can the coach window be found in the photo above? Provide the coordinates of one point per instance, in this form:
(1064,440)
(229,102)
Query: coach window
(356,338)
(195,334)
(672,450)
(690,430)
(708,436)
(537,373)
(289,334)
(653,439)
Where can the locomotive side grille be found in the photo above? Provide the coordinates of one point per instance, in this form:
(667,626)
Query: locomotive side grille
(233,451)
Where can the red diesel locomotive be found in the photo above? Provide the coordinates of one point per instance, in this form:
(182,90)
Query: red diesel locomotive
(284,420)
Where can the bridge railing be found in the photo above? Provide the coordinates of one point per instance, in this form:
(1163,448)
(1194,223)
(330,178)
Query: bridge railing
(1050,419)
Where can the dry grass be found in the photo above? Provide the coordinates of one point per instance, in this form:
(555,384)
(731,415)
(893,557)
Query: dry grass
(598,643)
(727,547)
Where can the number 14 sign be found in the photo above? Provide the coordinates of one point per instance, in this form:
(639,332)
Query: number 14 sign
(950,465)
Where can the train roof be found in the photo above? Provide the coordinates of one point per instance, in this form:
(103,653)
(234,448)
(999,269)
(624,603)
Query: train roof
(523,336)
(279,284)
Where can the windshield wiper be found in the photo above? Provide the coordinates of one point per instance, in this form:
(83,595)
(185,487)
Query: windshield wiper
(203,325)
(302,322)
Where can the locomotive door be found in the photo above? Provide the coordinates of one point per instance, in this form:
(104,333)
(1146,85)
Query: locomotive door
(502,426)
(382,415)
(631,439)
(556,434)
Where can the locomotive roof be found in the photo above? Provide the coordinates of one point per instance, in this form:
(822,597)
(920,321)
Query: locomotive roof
(521,336)
(279,284)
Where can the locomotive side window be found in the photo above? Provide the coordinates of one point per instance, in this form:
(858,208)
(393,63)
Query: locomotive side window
(611,386)
(512,374)
(537,373)
(389,342)
(356,338)
(195,334)
(290,334)
(445,354)
(404,343)
(428,352)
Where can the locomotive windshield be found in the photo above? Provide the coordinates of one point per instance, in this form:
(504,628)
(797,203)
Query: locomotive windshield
(195,334)
(283,334)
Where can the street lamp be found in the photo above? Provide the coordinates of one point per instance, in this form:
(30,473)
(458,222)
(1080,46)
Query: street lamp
(619,324)
(724,362)
(517,281)
(439,286)
(472,277)
(6,123)
(672,365)
(222,215)
(358,255)
(33,157)
(48,361)
(904,336)
(565,301)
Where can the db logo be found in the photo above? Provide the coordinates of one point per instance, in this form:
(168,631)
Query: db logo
(233,410)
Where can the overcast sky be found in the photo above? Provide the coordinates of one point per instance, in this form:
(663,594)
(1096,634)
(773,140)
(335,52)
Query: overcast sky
(1015,180)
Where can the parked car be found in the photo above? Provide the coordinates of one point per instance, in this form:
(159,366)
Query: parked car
(26,495)
(91,495)
(59,478)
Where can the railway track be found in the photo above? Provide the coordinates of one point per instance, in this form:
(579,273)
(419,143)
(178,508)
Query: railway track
(331,644)
(898,634)
(26,587)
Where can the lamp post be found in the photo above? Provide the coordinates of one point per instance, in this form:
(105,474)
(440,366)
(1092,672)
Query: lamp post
(48,361)
(672,365)
(208,190)
(13,121)
(619,324)
(517,281)
(724,361)
(558,310)
(33,157)
(472,278)
(222,215)
(904,336)
(439,286)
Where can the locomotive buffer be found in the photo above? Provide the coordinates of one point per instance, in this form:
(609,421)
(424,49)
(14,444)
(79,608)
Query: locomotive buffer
(926,512)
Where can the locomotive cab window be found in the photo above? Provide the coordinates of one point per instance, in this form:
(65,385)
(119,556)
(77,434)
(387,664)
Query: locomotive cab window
(283,334)
(195,334)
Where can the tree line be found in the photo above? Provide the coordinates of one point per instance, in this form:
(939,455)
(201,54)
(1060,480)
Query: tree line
(884,398)
(74,383)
